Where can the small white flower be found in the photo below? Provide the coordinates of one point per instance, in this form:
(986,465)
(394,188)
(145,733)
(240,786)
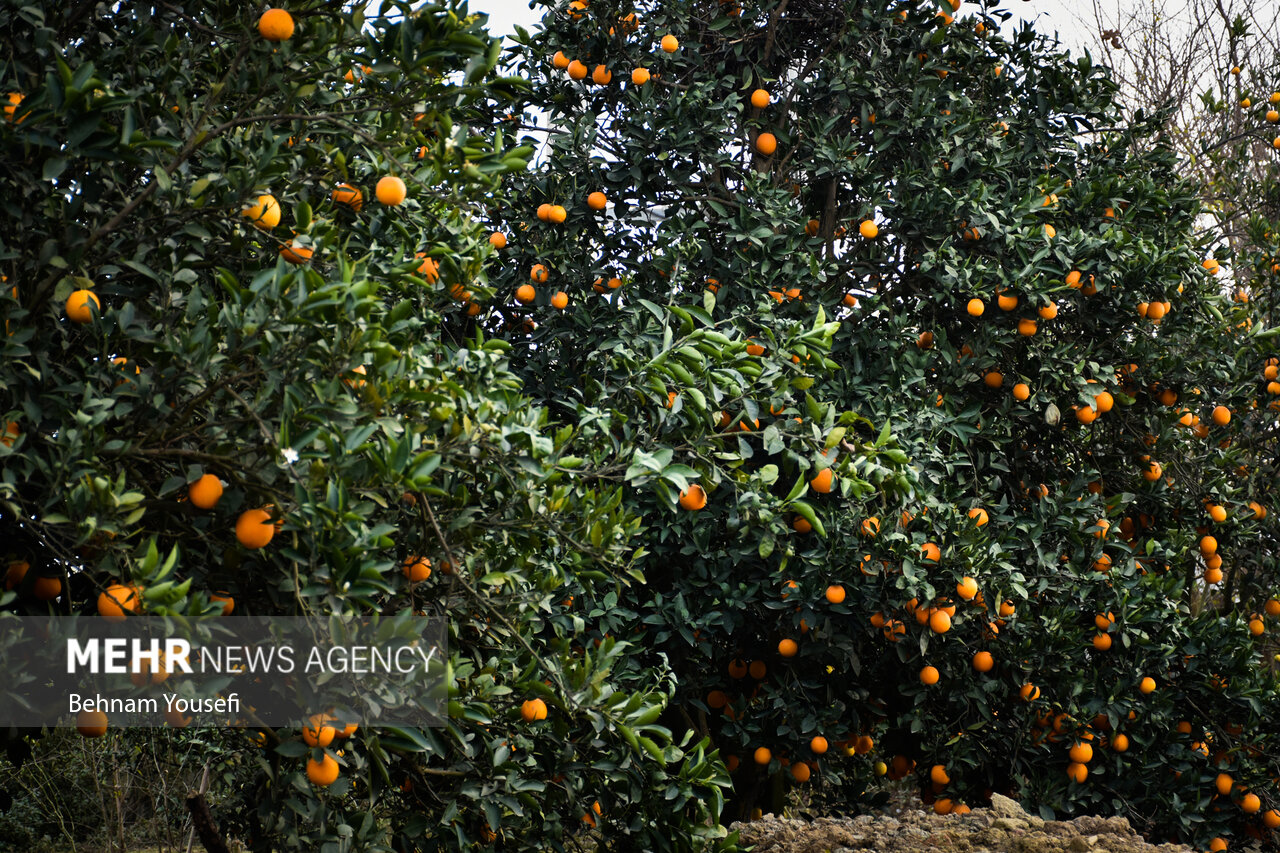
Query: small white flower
(290,455)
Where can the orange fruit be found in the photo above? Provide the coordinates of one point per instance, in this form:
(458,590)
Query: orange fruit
(1213,576)
(1250,804)
(818,745)
(760,99)
(801,772)
(822,483)
(1217,845)
(1102,642)
(1007,302)
(597,200)
(801,525)
(943,805)
(1218,513)
(228,603)
(1208,545)
(693,498)
(263,212)
(1221,415)
(118,601)
(930,552)
(416,569)
(976,307)
(296,253)
(318,734)
(1081,753)
(1077,772)
(788,648)
(324,772)
(868,229)
(979,516)
(539,273)
(1007,609)
(577,70)
(940,622)
(1271,819)
(766,143)
(640,76)
(757,669)
(254,528)
(835,593)
(1120,743)
(348,196)
(1029,692)
(1272,607)
(601,76)
(983,661)
(532,710)
(77,306)
(1086,414)
(205,492)
(498,240)
(275,25)
(870,526)
(390,190)
(560,61)
(993,379)
(762,755)
(938,775)
(1223,783)
(91,723)
(1021,392)
(1048,312)
(967,588)
(929,675)
(670,44)
(525,294)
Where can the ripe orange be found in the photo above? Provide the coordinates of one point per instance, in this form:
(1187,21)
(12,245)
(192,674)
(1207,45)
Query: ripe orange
(930,552)
(868,229)
(1102,642)
(1007,302)
(762,755)
(1223,783)
(263,212)
(1217,845)
(118,601)
(296,253)
(1048,312)
(788,648)
(560,300)
(77,306)
(818,745)
(979,516)
(597,200)
(322,773)
(801,771)
(316,733)
(938,775)
(1213,576)
(205,492)
(91,723)
(1021,392)
(539,273)
(1208,545)
(870,526)
(1218,513)
(940,622)
(766,143)
(976,307)
(993,379)
(1077,772)
(929,675)
(1272,607)
(760,99)
(390,190)
(670,43)
(533,709)
(983,661)
(560,61)
(1250,804)
(577,70)
(254,528)
(348,196)
(1271,819)
(1221,415)
(757,669)
(498,240)
(1081,753)
(601,76)
(835,593)
(275,25)
(640,76)
(416,569)
(967,588)
(228,603)
(822,483)
(1120,743)
(801,525)
(693,498)
(1029,692)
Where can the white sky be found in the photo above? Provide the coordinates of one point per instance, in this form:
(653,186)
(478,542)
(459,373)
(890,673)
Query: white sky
(1050,15)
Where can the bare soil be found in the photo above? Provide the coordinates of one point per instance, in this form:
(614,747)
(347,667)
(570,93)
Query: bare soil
(1002,828)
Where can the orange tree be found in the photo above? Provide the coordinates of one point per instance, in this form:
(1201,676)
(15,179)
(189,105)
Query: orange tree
(243,254)
(1011,527)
